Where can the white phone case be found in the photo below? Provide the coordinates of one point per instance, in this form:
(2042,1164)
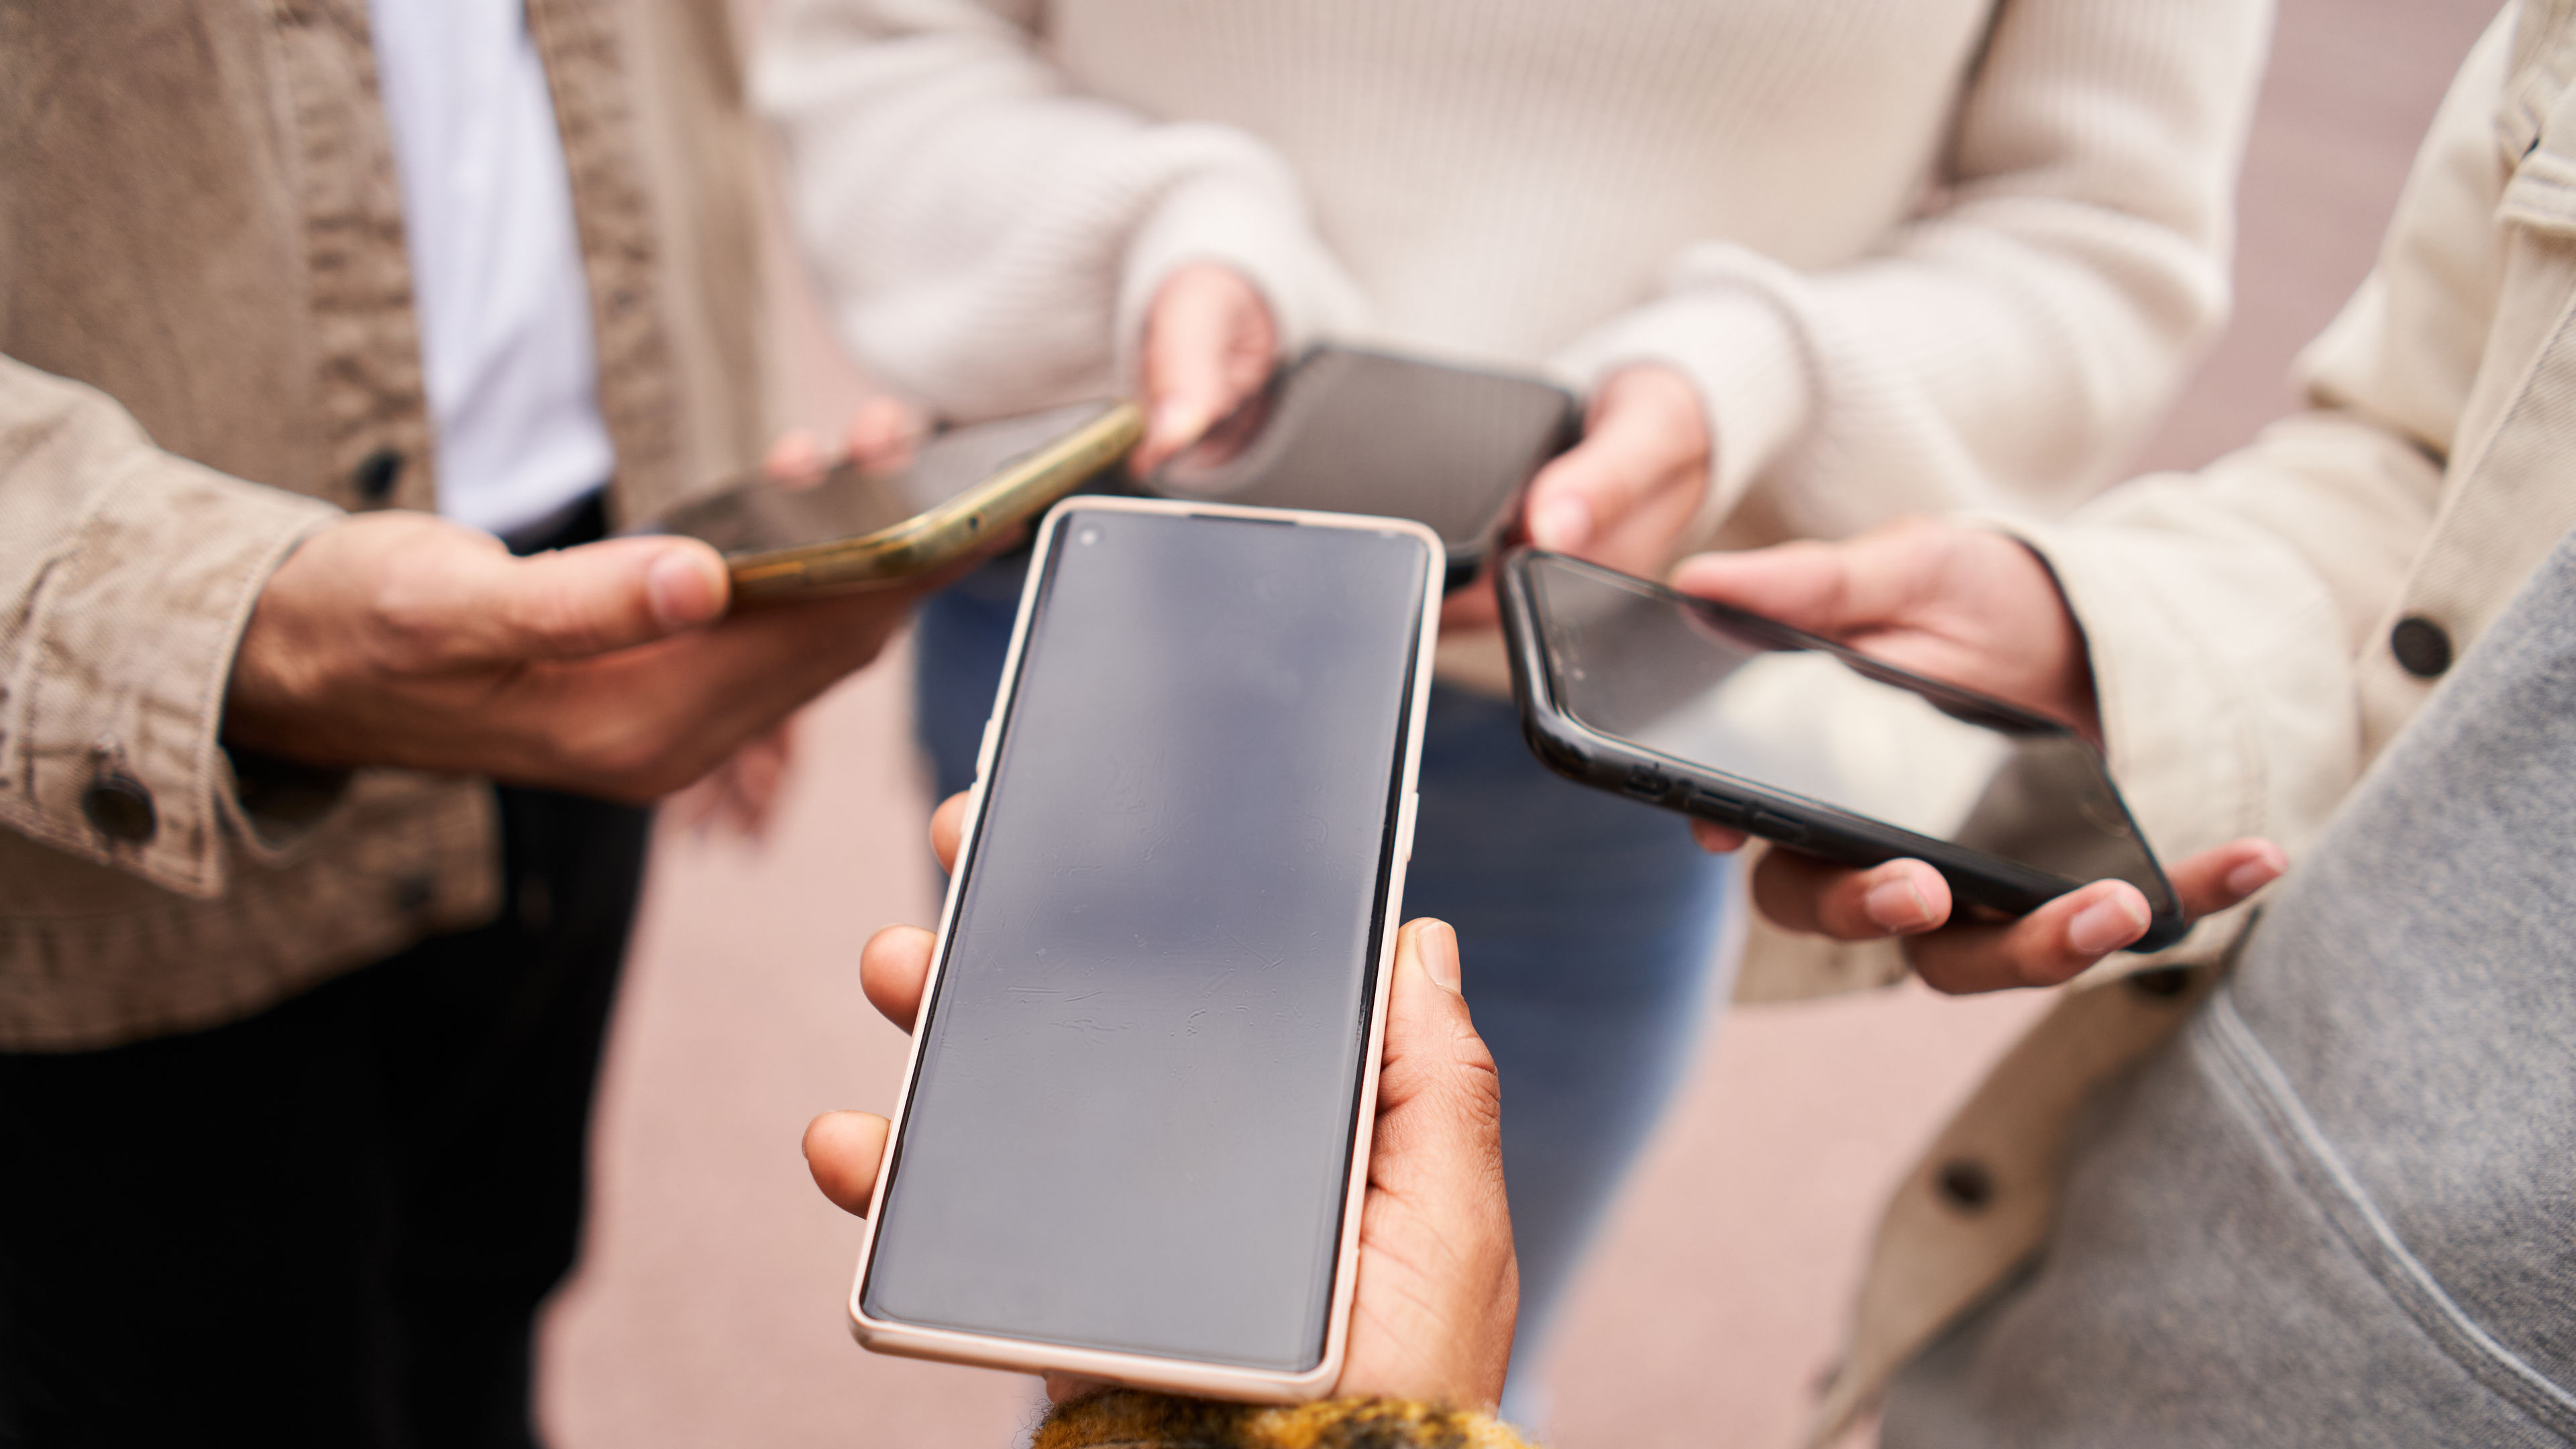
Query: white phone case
(1174,1375)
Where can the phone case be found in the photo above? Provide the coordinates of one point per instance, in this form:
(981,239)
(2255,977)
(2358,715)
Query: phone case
(949,531)
(1172,1375)
(1578,752)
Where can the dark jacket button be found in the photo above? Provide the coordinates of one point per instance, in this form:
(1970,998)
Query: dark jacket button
(1966,1184)
(120,808)
(2162,983)
(377,475)
(2421,647)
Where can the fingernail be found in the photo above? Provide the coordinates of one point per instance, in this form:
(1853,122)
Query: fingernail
(2106,926)
(1561,524)
(1177,420)
(1439,947)
(1897,905)
(683,589)
(2252,876)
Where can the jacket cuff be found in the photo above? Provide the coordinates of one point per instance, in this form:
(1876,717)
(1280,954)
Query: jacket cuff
(1737,345)
(108,729)
(1245,212)
(1121,1419)
(2220,716)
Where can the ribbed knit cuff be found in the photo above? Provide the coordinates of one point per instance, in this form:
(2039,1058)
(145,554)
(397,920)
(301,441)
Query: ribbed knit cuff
(1243,210)
(1737,346)
(1126,1420)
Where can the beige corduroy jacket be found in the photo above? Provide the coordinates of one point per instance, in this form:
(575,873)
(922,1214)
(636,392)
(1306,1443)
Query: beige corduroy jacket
(207,351)
(2261,630)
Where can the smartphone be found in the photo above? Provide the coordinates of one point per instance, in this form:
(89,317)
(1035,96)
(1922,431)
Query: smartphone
(1631,687)
(1134,1129)
(1355,431)
(855,528)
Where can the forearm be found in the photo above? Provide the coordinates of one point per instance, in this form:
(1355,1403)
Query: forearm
(1999,349)
(127,576)
(987,238)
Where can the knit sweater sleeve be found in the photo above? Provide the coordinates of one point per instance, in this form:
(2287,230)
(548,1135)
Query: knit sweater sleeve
(2001,347)
(1122,1420)
(989,237)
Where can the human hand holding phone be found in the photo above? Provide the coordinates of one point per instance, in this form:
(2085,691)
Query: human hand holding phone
(1979,609)
(1210,343)
(1622,496)
(1438,1285)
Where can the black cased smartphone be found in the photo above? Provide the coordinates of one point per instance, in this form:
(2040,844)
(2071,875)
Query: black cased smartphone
(1134,1130)
(1628,686)
(1349,430)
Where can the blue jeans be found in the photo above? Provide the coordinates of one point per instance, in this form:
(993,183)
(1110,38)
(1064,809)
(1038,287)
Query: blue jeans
(1587,925)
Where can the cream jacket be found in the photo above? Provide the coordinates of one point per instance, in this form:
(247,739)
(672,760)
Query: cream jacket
(2261,630)
(207,351)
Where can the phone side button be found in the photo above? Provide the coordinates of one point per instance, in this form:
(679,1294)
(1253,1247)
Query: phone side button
(1777,827)
(984,750)
(1405,815)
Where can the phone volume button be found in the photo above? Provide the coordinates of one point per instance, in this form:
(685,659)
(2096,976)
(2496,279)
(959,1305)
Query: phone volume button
(1777,827)
(1406,814)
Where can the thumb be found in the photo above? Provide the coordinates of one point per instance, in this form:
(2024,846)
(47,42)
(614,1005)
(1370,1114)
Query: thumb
(1439,1129)
(1818,587)
(599,597)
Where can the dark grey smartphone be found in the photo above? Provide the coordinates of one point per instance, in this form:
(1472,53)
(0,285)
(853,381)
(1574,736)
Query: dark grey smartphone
(1134,1131)
(1346,430)
(1628,686)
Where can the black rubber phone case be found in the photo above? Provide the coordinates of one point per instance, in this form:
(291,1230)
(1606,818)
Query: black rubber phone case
(1570,748)
(1347,430)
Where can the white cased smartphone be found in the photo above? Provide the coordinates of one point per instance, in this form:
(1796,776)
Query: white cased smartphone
(1133,1137)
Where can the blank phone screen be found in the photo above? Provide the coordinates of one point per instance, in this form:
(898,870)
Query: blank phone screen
(1741,698)
(1131,1124)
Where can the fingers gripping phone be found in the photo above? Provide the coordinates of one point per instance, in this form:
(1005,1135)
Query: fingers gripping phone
(1134,1129)
(855,528)
(1356,431)
(1631,687)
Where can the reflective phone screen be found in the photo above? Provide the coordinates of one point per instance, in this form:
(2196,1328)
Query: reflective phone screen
(1131,1124)
(1744,698)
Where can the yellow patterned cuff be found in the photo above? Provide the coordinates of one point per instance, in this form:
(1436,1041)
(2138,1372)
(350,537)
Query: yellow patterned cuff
(1124,1420)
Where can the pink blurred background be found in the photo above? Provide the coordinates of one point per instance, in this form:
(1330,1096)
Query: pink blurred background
(709,1309)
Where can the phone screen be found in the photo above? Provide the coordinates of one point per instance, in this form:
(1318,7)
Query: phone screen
(1131,1123)
(763,515)
(1734,695)
(1350,431)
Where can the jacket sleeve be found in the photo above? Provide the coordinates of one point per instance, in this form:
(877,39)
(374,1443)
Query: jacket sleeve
(126,578)
(1123,1420)
(2002,347)
(2230,613)
(990,236)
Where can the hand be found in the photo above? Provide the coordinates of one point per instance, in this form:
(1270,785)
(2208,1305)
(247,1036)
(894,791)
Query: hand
(400,639)
(1979,609)
(1210,343)
(1623,495)
(1438,1285)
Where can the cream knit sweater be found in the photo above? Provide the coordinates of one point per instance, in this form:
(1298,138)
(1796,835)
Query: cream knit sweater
(1915,254)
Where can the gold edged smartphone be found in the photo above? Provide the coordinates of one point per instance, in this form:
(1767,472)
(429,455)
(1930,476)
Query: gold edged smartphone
(1133,1137)
(857,529)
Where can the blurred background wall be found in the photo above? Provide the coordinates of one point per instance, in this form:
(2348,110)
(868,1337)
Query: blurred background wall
(709,1310)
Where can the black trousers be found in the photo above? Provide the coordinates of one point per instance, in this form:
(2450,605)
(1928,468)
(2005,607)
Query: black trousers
(333,1223)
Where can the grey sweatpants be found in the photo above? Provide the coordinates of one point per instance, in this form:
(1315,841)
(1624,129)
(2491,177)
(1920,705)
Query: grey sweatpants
(2340,1209)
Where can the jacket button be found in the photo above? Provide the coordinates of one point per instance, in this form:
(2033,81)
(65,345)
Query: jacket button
(120,808)
(2421,647)
(2162,983)
(377,474)
(1966,1184)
